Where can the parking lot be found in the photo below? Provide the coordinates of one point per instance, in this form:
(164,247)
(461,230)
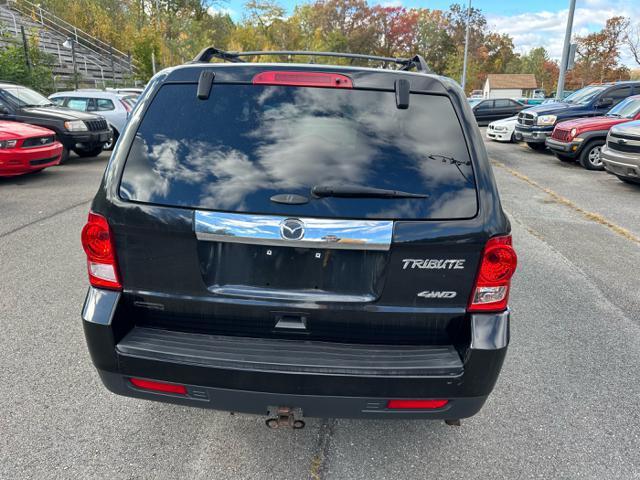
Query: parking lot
(565,406)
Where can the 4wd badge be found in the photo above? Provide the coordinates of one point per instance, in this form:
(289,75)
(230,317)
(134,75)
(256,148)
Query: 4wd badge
(437,294)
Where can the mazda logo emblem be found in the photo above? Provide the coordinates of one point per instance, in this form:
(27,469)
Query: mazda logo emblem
(292,229)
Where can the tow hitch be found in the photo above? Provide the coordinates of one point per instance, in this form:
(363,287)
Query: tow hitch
(284,417)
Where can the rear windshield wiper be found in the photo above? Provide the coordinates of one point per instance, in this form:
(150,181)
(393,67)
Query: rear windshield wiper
(355,191)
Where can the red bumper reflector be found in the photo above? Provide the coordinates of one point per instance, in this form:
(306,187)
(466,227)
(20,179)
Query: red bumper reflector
(416,404)
(159,386)
(303,79)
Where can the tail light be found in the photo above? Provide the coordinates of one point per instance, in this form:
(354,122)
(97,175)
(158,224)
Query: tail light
(416,404)
(303,79)
(97,241)
(497,266)
(158,386)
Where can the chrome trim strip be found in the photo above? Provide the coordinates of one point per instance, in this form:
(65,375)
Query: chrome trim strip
(318,232)
(625,141)
(293,295)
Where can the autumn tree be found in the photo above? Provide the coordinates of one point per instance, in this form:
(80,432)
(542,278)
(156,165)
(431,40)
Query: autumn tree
(456,22)
(432,39)
(632,40)
(396,29)
(173,31)
(338,26)
(599,53)
(537,61)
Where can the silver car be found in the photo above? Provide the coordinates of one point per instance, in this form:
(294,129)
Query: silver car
(114,107)
(621,154)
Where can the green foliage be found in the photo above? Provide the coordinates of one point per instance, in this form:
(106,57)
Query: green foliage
(144,46)
(38,75)
(175,30)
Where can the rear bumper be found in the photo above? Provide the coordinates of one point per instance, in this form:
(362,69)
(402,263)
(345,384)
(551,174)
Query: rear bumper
(319,406)
(245,383)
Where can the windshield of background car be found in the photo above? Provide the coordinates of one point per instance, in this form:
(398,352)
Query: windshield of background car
(474,101)
(23,97)
(628,108)
(584,95)
(246,143)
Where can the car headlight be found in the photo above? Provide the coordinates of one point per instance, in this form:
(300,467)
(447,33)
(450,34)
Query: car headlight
(8,143)
(499,129)
(75,126)
(546,120)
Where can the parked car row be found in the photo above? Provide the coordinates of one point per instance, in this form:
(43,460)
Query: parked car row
(536,124)
(488,110)
(115,107)
(26,148)
(38,132)
(597,126)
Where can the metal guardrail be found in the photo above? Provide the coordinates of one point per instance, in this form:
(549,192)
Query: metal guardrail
(84,39)
(84,56)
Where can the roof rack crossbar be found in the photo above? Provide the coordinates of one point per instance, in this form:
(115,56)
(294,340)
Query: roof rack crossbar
(208,53)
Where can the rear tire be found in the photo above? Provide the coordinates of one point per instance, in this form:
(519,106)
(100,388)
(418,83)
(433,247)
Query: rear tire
(94,152)
(537,146)
(590,157)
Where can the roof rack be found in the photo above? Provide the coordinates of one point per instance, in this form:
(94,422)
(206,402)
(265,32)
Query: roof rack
(208,53)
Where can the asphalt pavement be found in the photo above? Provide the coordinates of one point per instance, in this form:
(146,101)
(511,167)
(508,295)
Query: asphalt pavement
(565,406)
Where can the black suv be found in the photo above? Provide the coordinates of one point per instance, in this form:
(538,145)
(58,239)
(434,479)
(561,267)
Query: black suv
(84,133)
(300,239)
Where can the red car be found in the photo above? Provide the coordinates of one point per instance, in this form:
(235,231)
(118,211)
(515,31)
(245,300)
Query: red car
(26,148)
(581,139)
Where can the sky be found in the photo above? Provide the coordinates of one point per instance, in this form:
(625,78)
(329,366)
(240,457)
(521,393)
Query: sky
(531,23)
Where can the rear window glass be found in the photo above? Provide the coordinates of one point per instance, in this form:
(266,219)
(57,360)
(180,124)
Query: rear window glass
(246,143)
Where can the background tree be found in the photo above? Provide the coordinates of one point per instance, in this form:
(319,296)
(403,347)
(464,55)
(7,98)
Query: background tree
(175,30)
(13,67)
(632,40)
(599,54)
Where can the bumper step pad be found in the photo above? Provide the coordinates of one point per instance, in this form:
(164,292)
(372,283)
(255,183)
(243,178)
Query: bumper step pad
(291,356)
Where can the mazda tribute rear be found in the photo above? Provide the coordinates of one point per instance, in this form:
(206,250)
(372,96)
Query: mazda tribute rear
(292,240)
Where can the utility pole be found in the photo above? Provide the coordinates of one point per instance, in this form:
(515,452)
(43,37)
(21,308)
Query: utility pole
(466,48)
(71,43)
(75,65)
(25,45)
(113,68)
(565,51)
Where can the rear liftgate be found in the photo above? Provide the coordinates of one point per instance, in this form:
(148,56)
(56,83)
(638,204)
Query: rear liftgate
(306,233)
